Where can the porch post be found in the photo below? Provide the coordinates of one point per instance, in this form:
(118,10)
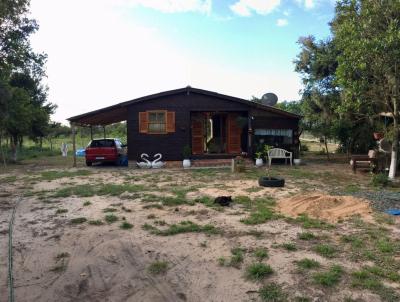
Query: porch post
(73,128)
(249,135)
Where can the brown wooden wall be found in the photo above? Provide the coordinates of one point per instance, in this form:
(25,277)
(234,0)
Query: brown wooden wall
(171,144)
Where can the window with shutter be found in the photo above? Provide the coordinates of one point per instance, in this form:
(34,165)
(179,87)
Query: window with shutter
(157,122)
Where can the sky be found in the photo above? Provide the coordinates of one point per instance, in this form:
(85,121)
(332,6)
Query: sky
(102,52)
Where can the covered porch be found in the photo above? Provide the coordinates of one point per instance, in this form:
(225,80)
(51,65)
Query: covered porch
(218,134)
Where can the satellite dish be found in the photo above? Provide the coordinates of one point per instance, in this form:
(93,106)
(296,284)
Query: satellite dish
(269,99)
(385,146)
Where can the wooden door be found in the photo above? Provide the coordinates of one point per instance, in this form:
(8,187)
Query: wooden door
(234,134)
(197,134)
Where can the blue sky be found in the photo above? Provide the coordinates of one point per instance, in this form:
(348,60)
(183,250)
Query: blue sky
(116,50)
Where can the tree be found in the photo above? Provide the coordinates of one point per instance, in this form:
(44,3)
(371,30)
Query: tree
(23,103)
(367,35)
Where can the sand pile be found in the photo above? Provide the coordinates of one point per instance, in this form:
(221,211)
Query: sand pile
(325,207)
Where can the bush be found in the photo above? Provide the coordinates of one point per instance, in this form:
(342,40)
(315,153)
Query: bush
(380,180)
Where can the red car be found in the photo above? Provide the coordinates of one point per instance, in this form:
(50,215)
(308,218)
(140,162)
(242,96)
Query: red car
(104,150)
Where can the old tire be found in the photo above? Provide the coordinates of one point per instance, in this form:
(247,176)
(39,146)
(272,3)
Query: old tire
(89,163)
(265,181)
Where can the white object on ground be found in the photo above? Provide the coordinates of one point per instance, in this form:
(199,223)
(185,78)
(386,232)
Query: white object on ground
(156,164)
(145,164)
(64,149)
(186,163)
(259,162)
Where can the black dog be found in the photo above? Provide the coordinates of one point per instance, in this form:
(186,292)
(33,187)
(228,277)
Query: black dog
(223,200)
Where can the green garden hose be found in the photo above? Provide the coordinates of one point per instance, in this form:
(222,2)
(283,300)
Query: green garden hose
(10,254)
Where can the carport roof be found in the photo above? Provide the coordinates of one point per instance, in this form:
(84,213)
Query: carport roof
(118,113)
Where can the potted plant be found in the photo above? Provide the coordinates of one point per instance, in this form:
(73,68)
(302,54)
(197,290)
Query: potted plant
(259,160)
(187,151)
(268,181)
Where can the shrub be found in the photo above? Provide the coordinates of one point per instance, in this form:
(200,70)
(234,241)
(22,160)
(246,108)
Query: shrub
(308,263)
(272,293)
(111,218)
(380,180)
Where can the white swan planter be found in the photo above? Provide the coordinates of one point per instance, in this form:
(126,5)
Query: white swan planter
(145,164)
(157,164)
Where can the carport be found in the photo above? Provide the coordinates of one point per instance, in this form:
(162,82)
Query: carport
(102,117)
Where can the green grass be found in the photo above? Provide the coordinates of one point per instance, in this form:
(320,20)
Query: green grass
(175,201)
(110,218)
(237,257)
(109,210)
(306,236)
(330,277)
(325,250)
(258,271)
(260,253)
(78,220)
(222,261)
(384,245)
(312,223)
(61,211)
(100,190)
(182,227)
(272,292)
(158,267)
(307,264)
(365,279)
(87,203)
(95,222)
(289,246)
(126,225)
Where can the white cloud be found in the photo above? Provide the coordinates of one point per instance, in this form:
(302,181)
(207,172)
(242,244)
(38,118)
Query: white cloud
(246,7)
(307,4)
(172,6)
(282,22)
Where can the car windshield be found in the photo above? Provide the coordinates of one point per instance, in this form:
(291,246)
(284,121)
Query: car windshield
(102,143)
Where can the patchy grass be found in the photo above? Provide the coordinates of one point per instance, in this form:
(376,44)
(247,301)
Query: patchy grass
(109,210)
(307,264)
(258,271)
(260,253)
(312,223)
(237,257)
(126,225)
(365,279)
(289,246)
(325,250)
(330,277)
(110,218)
(61,211)
(306,236)
(272,292)
(87,203)
(78,220)
(158,267)
(182,227)
(100,190)
(153,206)
(95,222)
(56,174)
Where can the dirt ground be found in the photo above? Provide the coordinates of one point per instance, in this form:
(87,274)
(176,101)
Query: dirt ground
(176,245)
